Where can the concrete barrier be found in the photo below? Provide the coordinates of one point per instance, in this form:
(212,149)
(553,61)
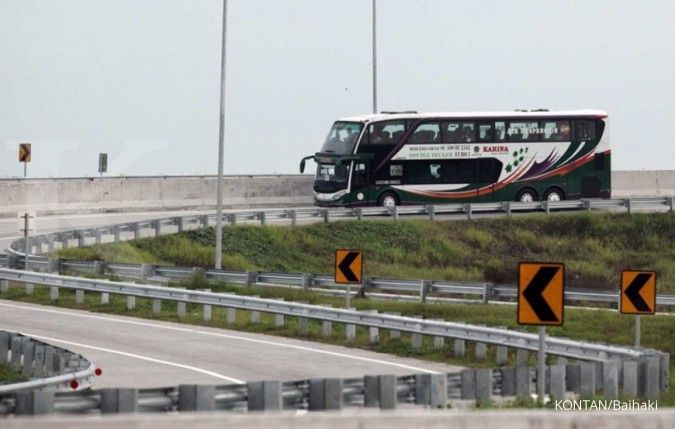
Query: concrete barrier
(113,194)
(108,194)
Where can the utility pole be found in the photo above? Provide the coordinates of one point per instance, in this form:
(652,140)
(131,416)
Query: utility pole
(221,146)
(374,58)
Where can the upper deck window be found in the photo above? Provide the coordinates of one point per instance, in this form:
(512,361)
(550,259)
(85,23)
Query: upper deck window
(387,132)
(427,133)
(342,137)
(459,132)
(556,131)
(585,130)
(523,131)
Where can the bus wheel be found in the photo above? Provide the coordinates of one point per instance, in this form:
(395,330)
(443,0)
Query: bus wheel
(526,195)
(554,194)
(388,199)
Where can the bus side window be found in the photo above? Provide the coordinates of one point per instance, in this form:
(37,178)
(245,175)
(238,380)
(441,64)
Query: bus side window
(500,131)
(584,130)
(486,132)
(360,175)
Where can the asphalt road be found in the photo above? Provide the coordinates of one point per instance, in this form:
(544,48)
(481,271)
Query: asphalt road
(144,353)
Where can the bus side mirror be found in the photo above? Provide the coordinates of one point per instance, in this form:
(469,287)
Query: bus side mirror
(302,166)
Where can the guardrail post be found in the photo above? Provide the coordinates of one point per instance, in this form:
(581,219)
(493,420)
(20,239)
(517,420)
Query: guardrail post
(460,348)
(586,379)
(98,268)
(231,218)
(416,339)
(39,362)
(522,357)
(279,319)
(105,298)
(379,391)
(359,213)
(481,351)
(207,310)
(484,386)
(204,220)
(350,331)
(131,302)
(147,270)
(136,228)
(118,400)
(626,203)
(393,211)
(610,379)
(468,384)
(546,207)
(431,211)
(572,378)
(394,333)
(488,291)
(81,237)
(156,306)
(117,232)
(425,288)
(303,322)
(230,315)
(293,214)
(325,394)
(4,285)
(598,376)
(264,395)
(157,226)
(28,352)
(307,281)
(63,238)
(587,205)
(468,210)
(97,236)
(557,381)
(439,342)
(254,317)
(629,377)
(50,243)
(180,225)
(508,381)
(326,328)
(50,352)
(34,402)
(648,376)
(193,397)
(53,266)
(15,361)
(79,296)
(523,382)
(29,287)
(251,278)
(671,201)
(5,346)
(664,372)
(262,216)
(326,215)
(180,309)
(373,331)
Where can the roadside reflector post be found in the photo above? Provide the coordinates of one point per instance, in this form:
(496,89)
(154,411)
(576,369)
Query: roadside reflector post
(541,365)
(637,296)
(348,270)
(637,332)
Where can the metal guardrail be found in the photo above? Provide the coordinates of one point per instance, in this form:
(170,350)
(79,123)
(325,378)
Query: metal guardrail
(380,288)
(384,391)
(48,367)
(420,327)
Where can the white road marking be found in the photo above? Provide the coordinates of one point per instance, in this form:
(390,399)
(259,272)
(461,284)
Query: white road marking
(228,336)
(136,356)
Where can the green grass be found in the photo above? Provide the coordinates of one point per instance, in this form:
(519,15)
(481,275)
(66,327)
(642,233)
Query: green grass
(594,247)
(592,325)
(10,375)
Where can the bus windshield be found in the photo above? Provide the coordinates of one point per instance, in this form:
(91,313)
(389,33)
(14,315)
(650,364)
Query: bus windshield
(342,138)
(331,178)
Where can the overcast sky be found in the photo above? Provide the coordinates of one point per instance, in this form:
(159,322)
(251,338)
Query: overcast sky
(139,79)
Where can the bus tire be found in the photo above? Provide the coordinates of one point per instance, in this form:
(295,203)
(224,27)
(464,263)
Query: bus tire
(388,199)
(554,193)
(526,195)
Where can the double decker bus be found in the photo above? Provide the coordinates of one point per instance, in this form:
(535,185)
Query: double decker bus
(398,158)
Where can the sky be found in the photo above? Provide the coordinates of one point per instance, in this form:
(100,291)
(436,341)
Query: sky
(140,79)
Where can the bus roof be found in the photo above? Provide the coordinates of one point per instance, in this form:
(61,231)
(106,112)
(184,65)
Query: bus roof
(375,117)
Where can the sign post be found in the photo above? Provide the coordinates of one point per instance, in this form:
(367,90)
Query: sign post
(541,293)
(102,163)
(348,270)
(26,224)
(638,296)
(24,156)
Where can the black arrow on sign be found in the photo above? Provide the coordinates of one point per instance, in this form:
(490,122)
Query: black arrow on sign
(533,294)
(633,292)
(345,269)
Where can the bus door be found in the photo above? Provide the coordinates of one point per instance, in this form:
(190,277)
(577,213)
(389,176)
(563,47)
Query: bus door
(487,172)
(360,189)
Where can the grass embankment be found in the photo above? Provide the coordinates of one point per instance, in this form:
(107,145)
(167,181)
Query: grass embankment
(10,375)
(594,247)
